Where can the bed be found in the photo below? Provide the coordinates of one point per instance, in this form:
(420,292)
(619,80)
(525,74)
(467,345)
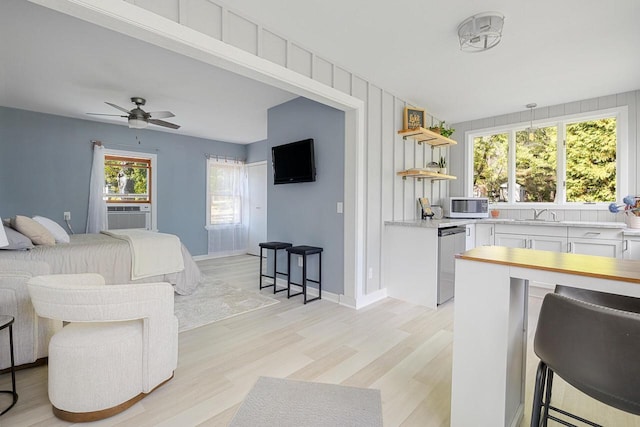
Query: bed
(107,255)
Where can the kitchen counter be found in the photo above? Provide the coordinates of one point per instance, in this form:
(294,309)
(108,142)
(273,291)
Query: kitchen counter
(450,222)
(491,286)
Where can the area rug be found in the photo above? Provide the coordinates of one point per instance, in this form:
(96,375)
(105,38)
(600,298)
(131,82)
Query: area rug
(280,402)
(215,300)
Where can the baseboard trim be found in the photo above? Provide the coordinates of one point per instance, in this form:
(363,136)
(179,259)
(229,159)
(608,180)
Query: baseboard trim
(341,299)
(220,255)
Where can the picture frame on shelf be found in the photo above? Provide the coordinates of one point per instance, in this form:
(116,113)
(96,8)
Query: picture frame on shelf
(414,118)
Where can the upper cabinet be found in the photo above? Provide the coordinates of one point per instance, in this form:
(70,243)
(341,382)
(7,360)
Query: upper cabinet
(421,135)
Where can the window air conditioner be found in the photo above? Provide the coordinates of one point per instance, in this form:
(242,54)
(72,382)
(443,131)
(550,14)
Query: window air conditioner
(128,215)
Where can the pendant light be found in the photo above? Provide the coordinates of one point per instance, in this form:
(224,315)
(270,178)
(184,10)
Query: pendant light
(531,131)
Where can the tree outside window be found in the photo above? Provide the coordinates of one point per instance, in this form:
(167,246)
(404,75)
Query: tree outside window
(591,161)
(571,161)
(127,179)
(490,158)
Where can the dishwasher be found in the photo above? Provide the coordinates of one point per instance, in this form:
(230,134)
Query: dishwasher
(451,241)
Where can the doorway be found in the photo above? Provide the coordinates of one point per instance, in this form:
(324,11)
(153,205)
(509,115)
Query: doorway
(257,177)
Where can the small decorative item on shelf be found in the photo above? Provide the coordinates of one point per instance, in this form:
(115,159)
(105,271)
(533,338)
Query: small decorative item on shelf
(413,118)
(442,129)
(432,167)
(631,209)
(442,164)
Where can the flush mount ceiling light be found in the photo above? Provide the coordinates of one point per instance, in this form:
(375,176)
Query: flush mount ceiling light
(480,32)
(531,131)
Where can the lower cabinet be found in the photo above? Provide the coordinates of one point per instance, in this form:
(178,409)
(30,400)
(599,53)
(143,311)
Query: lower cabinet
(484,235)
(532,237)
(596,241)
(631,247)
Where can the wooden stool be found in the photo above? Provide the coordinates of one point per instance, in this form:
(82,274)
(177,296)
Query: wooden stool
(304,251)
(7,321)
(274,246)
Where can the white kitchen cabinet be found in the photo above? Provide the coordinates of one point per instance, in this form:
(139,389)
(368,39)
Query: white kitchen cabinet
(484,235)
(596,241)
(470,240)
(410,260)
(544,238)
(631,247)
(511,240)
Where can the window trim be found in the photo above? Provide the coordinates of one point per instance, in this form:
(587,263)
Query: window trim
(208,225)
(153,196)
(622,156)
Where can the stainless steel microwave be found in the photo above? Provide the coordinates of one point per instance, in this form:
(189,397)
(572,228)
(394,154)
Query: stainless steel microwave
(467,207)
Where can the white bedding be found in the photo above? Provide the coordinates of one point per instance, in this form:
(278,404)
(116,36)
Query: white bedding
(108,256)
(152,253)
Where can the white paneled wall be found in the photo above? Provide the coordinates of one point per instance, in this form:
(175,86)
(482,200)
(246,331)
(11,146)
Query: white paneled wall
(388,197)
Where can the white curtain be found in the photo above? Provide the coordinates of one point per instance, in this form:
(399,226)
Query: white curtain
(97,214)
(227,207)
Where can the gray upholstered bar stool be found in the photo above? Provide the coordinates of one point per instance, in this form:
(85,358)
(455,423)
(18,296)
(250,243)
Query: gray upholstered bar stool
(304,251)
(275,246)
(590,339)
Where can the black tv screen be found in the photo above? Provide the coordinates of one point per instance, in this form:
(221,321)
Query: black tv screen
(294,162)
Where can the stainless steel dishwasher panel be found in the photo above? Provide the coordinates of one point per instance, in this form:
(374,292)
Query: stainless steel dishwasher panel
(451,241)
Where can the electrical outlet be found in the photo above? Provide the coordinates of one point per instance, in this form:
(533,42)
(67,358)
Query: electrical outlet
(339,207)
(370,273)
(67,216)
(299,261)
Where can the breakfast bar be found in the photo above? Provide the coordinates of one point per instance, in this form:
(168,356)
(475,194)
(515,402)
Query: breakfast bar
(490,322)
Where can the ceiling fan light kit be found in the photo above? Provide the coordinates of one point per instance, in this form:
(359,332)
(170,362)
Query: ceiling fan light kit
(480,32)
(140,119)
(137,123)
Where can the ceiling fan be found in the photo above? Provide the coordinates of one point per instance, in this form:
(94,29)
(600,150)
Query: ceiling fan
(140,119)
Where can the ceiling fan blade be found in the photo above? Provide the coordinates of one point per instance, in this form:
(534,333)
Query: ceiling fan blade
(124,110)
(161,114)
(101,114)
(163,123)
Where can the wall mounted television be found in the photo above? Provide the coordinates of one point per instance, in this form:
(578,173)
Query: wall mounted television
(294,162)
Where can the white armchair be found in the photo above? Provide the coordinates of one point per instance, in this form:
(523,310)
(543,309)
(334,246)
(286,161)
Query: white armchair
(31,334)
(121,342)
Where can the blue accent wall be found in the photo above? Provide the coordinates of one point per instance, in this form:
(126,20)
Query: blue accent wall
(45,164)
(257,151)
(305,213)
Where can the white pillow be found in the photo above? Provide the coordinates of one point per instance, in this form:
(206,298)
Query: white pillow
(54,228)
(33,230)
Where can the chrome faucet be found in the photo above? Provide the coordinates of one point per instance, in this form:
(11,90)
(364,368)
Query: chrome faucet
(537,213)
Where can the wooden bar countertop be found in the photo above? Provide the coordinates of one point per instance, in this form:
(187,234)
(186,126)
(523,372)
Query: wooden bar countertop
(623,270)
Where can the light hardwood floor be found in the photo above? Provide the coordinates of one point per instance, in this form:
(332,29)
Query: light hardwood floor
(400,348)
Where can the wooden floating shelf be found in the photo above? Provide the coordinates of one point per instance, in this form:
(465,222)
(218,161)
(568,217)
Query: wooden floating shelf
(424,174)
(425,135)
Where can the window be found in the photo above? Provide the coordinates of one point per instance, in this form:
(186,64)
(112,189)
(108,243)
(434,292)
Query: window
(226,182)
(127,179)
(566,160)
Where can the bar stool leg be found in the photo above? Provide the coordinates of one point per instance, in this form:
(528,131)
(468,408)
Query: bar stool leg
(288,274)
(275,268)
(304,277)
(319,275)
(260,278)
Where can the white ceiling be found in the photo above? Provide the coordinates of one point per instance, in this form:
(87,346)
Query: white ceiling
(53,63)
(552,52)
